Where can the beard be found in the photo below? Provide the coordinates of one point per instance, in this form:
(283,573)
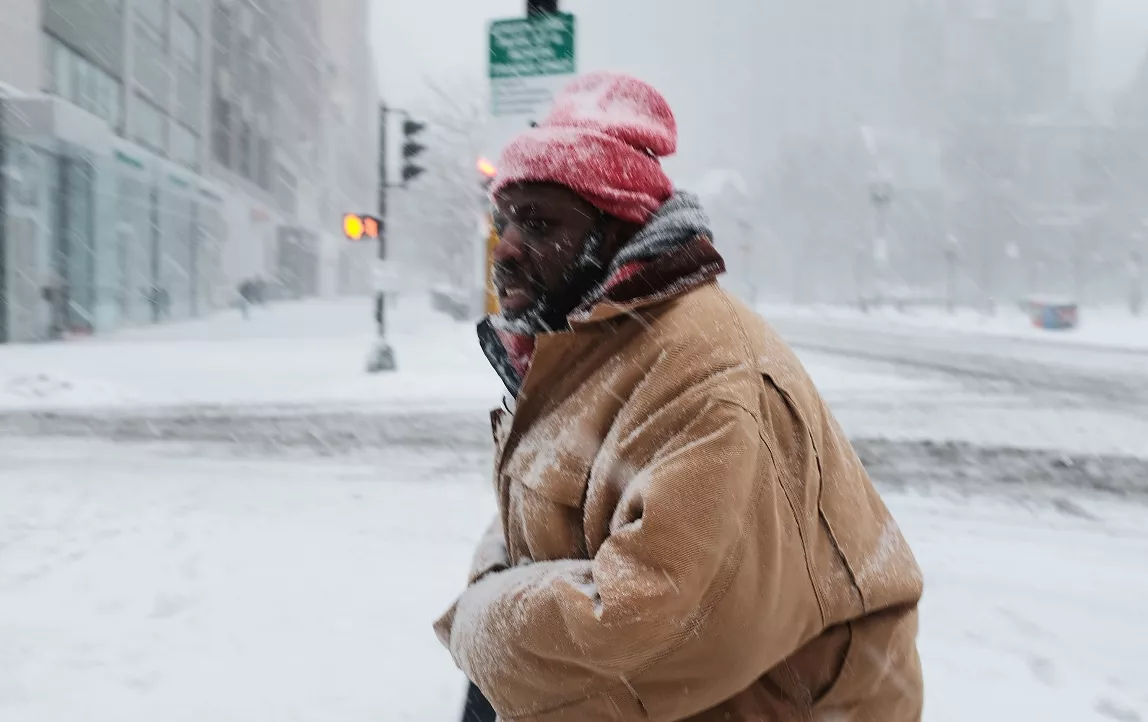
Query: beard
(552,306)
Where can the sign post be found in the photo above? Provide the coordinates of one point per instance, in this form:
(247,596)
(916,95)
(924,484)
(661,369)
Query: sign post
(531,60)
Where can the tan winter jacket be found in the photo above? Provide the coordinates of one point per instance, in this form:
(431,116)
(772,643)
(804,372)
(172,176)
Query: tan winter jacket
(685,534)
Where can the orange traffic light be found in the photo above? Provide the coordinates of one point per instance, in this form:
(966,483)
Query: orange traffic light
(354,227)
(487,168)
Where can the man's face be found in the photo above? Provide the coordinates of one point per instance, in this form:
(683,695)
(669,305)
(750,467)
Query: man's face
(540,267)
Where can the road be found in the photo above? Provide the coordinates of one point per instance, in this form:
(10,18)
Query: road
(1073,373)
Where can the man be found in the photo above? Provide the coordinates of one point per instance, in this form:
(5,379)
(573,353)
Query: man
(684,530)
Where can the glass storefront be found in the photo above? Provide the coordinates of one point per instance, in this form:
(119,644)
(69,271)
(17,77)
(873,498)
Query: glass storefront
(100,236)
(76,240)
(177,259)
(212,290)
(27,239)
(134,236)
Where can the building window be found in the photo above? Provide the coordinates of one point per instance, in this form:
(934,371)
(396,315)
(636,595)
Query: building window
(150,124)
(62,70)
(48,62)
(154,13)
(108,100)
(221,28)
(221,131)
(80,82)
(82,85)
(184,145)
(152,70)
(184,41)
(263,163)
(284,191)
(246,22)
(245,150)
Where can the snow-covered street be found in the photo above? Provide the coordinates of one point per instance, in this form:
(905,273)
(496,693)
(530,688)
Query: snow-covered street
(229,521)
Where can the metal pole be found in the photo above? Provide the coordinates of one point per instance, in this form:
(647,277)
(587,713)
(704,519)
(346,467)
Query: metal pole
(383,112)
(193,243)
(541,7)
(3,233)
(154,256)
(382,356)
(62,257)
(951,279)
(1136,293)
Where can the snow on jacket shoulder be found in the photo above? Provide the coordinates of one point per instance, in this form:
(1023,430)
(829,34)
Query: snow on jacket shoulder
(693,536)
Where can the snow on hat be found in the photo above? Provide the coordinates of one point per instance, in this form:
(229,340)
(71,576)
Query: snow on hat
(602,139)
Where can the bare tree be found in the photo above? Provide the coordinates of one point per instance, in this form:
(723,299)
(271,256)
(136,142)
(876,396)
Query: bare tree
(439,215)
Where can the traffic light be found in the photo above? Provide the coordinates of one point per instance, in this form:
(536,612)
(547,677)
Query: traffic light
(371,226)
(488,171)
(353,227)
(412,149)
(357,227)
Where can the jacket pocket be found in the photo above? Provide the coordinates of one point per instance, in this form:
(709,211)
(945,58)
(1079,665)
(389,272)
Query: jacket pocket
(554,465)
(839,643)
(812,674)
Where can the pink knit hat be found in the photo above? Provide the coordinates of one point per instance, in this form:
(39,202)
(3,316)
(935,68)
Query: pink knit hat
(602,139)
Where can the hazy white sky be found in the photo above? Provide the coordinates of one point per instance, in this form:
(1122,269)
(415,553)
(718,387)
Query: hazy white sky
(447,38)
(673,45)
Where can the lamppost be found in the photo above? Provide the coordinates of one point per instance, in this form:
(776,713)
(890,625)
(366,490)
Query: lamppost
(860,254)
(952,255)
(1135,282)
(1012,251)
(881,196)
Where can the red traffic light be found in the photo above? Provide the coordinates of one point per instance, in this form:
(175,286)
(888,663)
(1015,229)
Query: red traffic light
(371,227)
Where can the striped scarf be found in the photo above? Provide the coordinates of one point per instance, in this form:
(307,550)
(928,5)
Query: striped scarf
(672,254)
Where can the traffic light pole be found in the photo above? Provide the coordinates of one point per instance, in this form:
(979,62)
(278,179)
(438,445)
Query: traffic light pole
(382,355)
(383,185)
(541,7)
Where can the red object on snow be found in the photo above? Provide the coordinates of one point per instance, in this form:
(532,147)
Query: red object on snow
(1054,315)
(603,139)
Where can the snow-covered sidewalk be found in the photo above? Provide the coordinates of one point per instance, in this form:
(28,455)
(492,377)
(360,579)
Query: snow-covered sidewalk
(299,353)
(152,583)
(1105,327)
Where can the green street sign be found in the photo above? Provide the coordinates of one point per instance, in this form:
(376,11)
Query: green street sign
(532,47)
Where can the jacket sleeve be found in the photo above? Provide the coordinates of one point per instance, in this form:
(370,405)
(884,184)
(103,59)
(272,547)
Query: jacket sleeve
(571,640)
(491,555)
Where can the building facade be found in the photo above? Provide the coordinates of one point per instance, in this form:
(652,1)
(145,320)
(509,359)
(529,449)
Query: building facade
(287,126)
(352,118)
(158,152)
